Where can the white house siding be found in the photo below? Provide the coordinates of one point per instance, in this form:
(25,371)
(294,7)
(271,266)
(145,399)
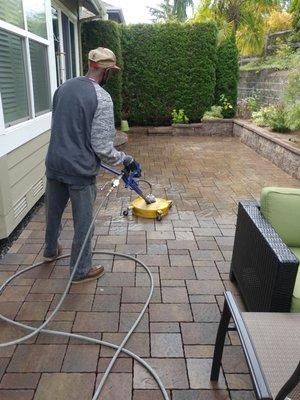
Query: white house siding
(22,181)
(23,146)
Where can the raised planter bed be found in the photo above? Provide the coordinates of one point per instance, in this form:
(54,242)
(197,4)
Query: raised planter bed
(208,127)
(220,127)
(275,149)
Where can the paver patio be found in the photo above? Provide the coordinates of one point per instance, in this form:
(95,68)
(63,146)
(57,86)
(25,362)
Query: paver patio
(189,254)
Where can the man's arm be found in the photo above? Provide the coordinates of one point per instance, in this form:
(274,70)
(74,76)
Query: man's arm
(103,130)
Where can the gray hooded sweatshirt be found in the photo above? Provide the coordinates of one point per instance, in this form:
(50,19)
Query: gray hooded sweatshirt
(82,132)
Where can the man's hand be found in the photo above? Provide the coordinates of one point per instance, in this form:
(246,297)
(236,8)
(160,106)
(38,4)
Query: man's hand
(131,165)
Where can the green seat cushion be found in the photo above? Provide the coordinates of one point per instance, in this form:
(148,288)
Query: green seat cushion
(281,207)
(296,295)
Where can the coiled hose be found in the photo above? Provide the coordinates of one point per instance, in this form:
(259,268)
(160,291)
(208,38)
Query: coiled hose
(42,328)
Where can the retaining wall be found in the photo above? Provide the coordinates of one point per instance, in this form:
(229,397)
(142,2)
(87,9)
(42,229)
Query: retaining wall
(269,84)
(280,153)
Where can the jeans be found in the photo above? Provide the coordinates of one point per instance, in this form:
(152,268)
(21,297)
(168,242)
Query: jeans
(82,202)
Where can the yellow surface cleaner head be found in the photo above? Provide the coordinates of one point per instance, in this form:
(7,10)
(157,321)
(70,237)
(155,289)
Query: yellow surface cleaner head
(157,210)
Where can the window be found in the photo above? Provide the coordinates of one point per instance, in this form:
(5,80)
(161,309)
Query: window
(64,30)
(36,18)
(40,77)
(26,78)
(13,85)
(12,11)
(24,65)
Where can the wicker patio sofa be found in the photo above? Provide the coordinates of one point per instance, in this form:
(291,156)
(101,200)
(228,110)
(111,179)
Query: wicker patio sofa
(271,346)
(263,266)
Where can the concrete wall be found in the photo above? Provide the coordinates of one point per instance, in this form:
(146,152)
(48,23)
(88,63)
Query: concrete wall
(268,84)
(22,181)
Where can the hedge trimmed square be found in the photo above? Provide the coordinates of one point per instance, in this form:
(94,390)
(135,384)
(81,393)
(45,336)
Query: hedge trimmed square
(168,66)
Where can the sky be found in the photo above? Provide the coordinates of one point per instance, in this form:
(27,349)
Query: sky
(135,11)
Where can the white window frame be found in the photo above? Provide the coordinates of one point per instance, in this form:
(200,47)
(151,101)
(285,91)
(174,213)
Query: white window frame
(33,121)
(73,18)
(16,135)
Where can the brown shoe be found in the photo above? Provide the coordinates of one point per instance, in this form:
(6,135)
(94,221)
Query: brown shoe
(94,273)
(53,258)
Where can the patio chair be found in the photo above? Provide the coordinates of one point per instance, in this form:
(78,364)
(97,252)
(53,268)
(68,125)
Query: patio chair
(266,251)
(272,350)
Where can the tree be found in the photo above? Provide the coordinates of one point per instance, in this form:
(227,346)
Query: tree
(246,18)
(164,11)
(180,7)
(170,11)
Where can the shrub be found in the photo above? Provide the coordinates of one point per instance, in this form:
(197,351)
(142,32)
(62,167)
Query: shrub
(293,116)
(292,90)
(105,34)
(179,117)
(274,116)
(279,21)
(284,116)
(227,74)
(295,10)
(277,118)
(291,95)
(226,105)
(168,66)
(247,106)
(214,112)
(261,117)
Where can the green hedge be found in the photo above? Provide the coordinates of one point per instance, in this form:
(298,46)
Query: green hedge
(227,73)
(105,34)
(168,66)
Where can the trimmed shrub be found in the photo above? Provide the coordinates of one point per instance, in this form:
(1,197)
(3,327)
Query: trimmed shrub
(168,66)
(227,72)
(105,34)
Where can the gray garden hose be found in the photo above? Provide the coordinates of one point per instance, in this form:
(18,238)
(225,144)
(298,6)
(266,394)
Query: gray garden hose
(121,347)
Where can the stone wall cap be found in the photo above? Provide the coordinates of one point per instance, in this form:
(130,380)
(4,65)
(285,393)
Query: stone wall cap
(219,120)
(267,135)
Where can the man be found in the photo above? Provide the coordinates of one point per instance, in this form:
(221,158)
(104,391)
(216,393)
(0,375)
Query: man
(82,136)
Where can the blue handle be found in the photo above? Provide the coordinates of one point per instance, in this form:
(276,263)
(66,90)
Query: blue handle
(127,178)
(110,169)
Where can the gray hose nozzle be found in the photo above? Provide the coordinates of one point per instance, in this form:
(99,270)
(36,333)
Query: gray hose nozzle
(150,199)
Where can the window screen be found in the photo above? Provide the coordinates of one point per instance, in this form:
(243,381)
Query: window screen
(12,11)
(36,18)
(40,77)
(13,86)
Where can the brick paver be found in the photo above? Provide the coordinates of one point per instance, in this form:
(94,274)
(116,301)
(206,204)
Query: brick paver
(189,255)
